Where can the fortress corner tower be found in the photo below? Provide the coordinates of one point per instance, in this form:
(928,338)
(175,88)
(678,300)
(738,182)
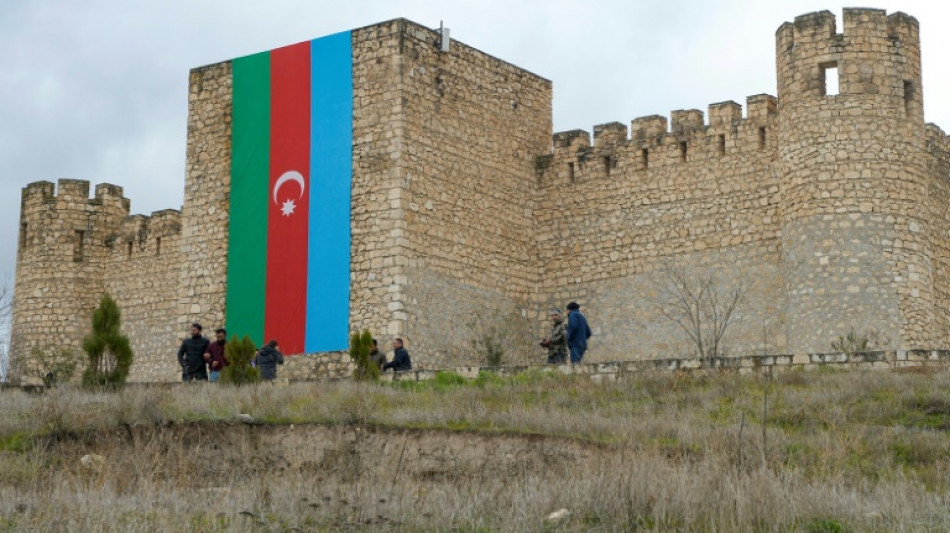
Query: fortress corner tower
(856,196)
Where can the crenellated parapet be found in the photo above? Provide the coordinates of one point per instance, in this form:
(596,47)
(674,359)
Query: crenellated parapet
(653,141)
(63,213)
(138,234)
(73,194)
(876,56)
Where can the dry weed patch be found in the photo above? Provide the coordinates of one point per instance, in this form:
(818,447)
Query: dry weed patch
(803,451)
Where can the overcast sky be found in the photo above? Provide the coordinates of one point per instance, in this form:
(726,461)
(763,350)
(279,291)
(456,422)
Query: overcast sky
(97,90)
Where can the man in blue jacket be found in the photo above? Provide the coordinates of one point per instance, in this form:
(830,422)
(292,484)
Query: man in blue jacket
(577,332)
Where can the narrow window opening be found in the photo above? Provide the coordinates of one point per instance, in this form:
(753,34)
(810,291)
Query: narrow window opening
(829,79)
(129,250)
(158,246)
(570,172)
(607,165)
(722,144)
(762,138)
(908,96)
(24,243)
(644,159)
(78,246)
(683,148)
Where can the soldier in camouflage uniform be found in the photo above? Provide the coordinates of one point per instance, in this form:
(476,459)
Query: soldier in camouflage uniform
(557,342)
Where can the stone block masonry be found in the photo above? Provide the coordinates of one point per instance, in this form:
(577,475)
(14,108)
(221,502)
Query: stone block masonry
(471,218)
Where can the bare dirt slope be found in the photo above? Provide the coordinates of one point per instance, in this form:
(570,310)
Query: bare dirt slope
(212,454)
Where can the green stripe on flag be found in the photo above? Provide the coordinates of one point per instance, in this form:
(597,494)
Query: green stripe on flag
(250,191)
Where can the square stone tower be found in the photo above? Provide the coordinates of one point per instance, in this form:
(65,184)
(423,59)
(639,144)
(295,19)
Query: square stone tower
(444,148)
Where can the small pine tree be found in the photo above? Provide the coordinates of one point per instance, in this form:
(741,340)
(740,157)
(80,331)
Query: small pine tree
(360,345)
(239,353)
(109,352)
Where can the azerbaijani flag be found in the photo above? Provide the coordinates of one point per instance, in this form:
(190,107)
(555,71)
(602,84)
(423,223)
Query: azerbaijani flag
(291,170)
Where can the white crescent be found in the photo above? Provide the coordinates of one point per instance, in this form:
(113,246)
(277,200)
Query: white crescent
(290,175)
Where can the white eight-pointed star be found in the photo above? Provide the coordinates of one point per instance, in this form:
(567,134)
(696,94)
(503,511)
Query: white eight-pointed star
(288,208)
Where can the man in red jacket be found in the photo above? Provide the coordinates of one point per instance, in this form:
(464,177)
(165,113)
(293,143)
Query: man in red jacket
(215,357)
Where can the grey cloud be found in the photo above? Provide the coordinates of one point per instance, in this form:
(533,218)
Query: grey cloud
(98,89)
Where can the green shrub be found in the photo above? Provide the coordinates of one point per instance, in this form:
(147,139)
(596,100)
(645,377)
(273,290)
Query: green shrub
(109,352)
(826,525)
(360,345)
(239,353)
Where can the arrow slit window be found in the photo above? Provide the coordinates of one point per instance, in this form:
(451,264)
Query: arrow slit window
(829,84)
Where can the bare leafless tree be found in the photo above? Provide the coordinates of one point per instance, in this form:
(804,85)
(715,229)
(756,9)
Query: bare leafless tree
(702,302)
(6,314)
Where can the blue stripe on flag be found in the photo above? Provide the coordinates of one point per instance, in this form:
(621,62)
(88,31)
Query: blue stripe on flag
(331,164)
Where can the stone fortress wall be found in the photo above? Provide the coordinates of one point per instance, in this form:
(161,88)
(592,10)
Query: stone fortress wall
(469,219)
(830,207)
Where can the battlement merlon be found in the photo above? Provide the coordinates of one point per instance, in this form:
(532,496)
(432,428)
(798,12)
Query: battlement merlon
(937,140)
(760,106)
(72,191)
(36,193)
(571,138)
(610,133)
(933,131)
(686,120)
(649,127)
(109,194)
(724,115)
(166,222)
(865,21)
(903,27)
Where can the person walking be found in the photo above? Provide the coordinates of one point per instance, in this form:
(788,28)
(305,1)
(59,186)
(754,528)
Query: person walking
(191,356)
(267,359)
(376,356)
(215,355)
(556,343)
(401,361)
(577,332)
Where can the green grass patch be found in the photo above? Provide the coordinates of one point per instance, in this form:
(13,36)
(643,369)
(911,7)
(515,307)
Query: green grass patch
(826,525)
(20,441)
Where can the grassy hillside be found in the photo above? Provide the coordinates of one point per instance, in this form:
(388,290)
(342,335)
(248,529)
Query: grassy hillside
(804,451)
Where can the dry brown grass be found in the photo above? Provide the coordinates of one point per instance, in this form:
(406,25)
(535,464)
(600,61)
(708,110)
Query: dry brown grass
(848,451)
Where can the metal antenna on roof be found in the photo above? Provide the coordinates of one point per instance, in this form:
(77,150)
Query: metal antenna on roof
(444,39)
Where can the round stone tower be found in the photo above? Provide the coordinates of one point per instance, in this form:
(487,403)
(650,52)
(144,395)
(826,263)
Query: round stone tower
(855,235)
(59,269)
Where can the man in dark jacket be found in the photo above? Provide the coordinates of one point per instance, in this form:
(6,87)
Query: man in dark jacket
(267,359)
(191,356)
(401,361)
(577,332)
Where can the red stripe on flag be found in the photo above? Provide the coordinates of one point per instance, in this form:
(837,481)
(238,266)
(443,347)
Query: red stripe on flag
(287,218)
